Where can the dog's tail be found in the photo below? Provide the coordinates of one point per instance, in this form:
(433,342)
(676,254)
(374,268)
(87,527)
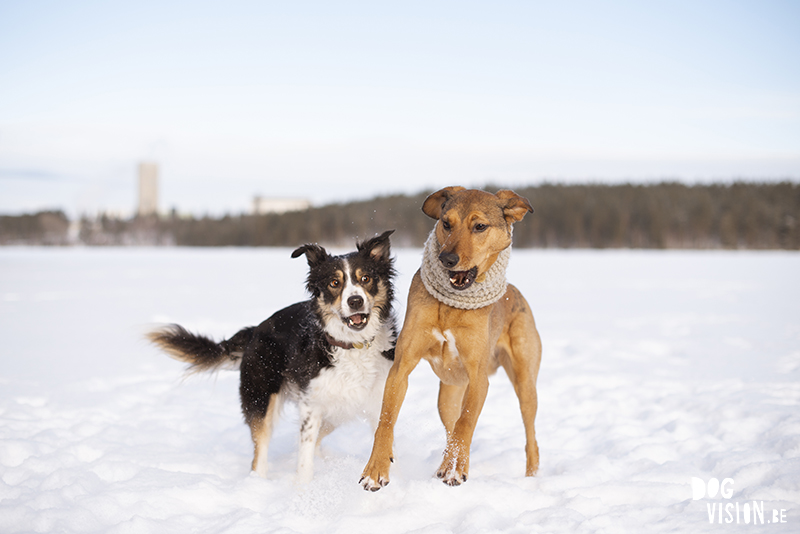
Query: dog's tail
(200,352)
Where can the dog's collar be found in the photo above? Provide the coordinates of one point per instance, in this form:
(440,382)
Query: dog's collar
(347,346)
(480,294)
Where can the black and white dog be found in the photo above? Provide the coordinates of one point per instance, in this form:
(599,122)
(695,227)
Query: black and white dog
(329,354)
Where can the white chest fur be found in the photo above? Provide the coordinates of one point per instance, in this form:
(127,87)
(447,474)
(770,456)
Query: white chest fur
(352,387)
(446,360)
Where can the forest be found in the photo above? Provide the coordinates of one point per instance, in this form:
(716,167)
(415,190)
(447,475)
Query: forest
(669,215)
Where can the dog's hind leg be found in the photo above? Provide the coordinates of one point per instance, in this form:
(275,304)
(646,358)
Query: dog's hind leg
(260,392)
(455,466)
(261,432)
(310,426)
(522,367)
(451,400)
(525,388)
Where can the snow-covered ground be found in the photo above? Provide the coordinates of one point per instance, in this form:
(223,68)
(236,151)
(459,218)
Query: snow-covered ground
(658,367)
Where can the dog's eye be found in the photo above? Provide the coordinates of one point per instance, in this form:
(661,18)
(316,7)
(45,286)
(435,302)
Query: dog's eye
(446,225)
(480,227)
(334,283)
(365,279)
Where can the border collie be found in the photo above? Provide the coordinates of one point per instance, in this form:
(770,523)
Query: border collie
(329,354)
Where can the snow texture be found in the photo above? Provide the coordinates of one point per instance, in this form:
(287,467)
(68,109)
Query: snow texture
(658,367)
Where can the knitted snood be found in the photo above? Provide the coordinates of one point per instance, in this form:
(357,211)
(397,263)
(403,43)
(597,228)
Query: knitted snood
(437,280)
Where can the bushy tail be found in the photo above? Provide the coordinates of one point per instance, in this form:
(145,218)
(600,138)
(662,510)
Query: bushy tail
(200,352)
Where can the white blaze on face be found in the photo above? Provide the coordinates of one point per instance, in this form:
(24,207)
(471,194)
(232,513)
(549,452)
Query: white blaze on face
(353,289)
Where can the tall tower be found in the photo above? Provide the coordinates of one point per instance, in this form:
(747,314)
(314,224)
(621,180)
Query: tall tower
(148,189)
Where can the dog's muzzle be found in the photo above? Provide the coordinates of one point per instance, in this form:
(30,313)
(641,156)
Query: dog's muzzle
(458,279)
(463,279)
(357,321)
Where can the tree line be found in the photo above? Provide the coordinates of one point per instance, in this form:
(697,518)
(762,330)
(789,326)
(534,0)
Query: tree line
(742,215)
(43,228)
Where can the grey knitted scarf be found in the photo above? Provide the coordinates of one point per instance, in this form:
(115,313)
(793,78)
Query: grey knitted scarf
(437,280)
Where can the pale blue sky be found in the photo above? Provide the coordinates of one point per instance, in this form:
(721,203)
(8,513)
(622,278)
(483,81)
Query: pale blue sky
(342,100)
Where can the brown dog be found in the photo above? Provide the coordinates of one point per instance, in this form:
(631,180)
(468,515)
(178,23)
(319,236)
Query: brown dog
(466,321)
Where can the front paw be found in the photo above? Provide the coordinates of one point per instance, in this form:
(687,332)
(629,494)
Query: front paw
(369,483)
(454,470)
(451,477)
(375,475)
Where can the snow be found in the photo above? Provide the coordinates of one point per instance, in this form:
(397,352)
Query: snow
(658,367)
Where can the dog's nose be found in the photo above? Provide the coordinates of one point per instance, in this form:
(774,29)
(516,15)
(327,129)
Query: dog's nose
(355,302)
(448,259)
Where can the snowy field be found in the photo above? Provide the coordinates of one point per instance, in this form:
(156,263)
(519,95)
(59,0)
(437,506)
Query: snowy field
(658,367)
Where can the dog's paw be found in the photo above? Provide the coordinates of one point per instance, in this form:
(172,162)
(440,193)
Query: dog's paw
(376,474)
(532,464)
(454,470)
(370,485)
(451,477)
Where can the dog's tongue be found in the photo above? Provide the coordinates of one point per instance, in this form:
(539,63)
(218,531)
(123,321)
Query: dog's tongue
(356,319)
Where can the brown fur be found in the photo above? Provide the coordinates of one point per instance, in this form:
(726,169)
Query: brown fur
(502,334)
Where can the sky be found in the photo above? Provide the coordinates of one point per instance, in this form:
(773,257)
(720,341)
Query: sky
(335,101)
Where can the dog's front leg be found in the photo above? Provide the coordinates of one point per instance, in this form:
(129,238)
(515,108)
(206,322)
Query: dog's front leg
(406,358)
(311,422)
(376,472)
(455,465)
(410,348)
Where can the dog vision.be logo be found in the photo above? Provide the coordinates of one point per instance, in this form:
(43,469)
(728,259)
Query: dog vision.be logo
(730,512)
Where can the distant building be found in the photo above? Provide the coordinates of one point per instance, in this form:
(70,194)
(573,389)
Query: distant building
(263,205)
(148,189)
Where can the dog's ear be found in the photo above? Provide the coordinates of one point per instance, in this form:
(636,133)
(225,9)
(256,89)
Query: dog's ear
(514,206)
(432,207)
(378,246)
(315,254)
